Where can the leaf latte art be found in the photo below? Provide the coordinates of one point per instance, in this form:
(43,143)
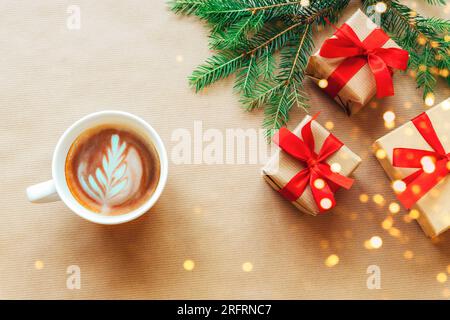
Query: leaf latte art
(111,171)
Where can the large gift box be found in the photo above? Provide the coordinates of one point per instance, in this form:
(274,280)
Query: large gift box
(309,167)
(357,63)
(416,156)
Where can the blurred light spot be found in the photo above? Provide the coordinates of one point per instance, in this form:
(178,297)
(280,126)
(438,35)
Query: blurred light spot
(429,99)
(179,58)
(408,254)
(399,186)
(380,154)
(319,183)
(389,116)
(387,223)
(444,73)
(415,189)
(407,218)
(394,232)
(326,203)
(423,68)
(427,164)
(380,7)
(332,260)
(414,214)
(335,167)
(323,83)
(394,207)
(408,105)
(434,44)
(446,105)
(378,199)
(247,266)
(363,197)
(376,242)
(441,277)
(39,265)
(421,39)
(329,125)
(188,265)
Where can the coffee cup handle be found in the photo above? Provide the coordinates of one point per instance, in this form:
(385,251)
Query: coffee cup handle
(43,192)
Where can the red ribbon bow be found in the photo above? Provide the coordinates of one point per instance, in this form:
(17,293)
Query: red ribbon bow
(315,166)
(422,181)
(358,53)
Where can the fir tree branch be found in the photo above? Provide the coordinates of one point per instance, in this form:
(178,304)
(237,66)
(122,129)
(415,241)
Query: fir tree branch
(423,38)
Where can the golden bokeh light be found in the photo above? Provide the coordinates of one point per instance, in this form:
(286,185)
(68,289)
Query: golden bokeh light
(429,99)
(336,167)
(247,267)
(394,232)
(428,165)
(319,183)
(363,197)
(407,218)
(408,254)
(304,3)
(441,277)
(329,125)
(39,265)
(376,242)
(378,199)
(323,83)
(414,214)
(179,58)
(389,116)
(188,265)
(394,207)
(326,203)
(380,154)
(421,39)
(387,223)
(380,7)
(399,186)
(331,260)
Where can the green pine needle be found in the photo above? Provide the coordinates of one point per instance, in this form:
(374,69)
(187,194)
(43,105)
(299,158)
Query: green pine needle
(247,36)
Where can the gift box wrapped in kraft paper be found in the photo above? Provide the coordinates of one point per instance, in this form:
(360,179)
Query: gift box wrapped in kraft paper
(416,156)
(310,166)
(357,63)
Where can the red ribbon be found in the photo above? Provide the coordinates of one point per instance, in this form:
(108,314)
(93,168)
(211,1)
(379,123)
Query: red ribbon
(358,53)
(420,182)
(315,166)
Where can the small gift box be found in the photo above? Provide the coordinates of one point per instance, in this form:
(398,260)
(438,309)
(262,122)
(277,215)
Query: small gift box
(310,166)
(416,156)
(356,63)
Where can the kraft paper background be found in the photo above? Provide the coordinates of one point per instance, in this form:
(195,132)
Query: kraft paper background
(135,56)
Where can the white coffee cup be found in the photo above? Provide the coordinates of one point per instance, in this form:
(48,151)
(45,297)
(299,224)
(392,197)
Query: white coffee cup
(57,188)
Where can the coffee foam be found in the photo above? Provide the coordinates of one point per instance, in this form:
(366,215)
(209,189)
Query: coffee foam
(111,170)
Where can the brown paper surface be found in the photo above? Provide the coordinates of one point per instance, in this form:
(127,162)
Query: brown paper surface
(135,56)
(434,207)
(361,88)
(282,167)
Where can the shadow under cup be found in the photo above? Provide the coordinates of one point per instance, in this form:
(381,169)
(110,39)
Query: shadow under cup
(109,118)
